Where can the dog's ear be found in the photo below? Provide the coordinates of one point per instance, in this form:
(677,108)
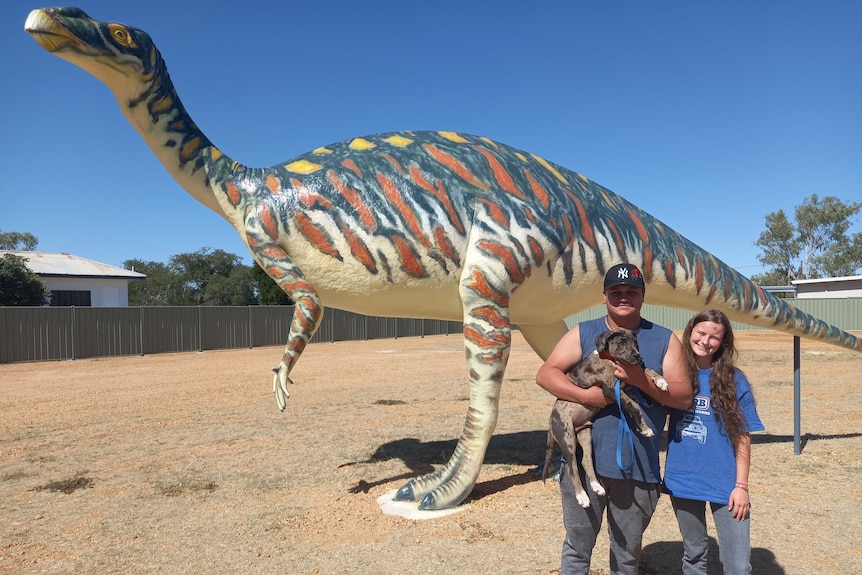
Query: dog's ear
(602,340)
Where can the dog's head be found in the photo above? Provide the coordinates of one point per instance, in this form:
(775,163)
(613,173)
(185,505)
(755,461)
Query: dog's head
(619,345)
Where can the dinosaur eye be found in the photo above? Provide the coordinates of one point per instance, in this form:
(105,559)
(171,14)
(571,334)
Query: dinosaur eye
(121,36)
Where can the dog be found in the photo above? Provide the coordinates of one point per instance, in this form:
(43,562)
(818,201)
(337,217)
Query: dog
(570,422)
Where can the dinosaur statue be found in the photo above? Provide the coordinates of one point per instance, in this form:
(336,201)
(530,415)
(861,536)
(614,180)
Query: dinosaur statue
(419,224)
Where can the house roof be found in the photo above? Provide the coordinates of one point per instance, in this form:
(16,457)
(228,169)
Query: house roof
(827,280)
(52,264)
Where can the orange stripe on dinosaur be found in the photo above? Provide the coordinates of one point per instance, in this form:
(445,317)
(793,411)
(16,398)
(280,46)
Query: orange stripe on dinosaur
(445,245)
(698,276)
(586,226)
(492,315)
(453,164)
(316,236)
(353,198)
(393,194)
(395,163)
(268,221)
(351,165)
(540,192)
(680,258)
(495,212)
(309,198)
(618,240)
(505,255)
(503,177)
(409,260)
(439,193)
(233,194)
(273,183)
(477,337)
(639,226)
(536,250)
(481,286)
(358,249)
(273,253)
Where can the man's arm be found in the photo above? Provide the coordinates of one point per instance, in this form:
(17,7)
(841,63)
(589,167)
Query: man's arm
(552,375)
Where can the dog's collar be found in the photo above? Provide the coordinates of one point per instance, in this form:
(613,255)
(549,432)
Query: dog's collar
(605,355)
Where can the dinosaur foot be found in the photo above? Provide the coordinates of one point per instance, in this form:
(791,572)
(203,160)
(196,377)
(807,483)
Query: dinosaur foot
(279,385)
(449,491)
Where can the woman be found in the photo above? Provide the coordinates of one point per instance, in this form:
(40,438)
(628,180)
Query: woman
(709,449)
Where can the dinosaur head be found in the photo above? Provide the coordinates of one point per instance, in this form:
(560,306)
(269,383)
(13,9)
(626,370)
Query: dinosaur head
(122,57)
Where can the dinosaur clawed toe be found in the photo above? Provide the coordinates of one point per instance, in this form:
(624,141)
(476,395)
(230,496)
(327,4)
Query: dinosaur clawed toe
(279,385)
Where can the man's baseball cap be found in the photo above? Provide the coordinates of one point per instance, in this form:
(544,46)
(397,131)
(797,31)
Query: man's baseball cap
(624,274)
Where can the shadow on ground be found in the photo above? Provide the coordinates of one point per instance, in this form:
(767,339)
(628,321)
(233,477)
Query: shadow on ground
(664,557)
(521,448)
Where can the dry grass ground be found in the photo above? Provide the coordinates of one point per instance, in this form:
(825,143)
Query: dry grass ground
(182,464)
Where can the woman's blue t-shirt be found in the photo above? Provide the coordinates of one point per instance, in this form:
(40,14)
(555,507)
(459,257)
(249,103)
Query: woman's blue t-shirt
(701,462)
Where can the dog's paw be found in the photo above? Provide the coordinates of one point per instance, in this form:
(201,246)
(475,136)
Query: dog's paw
(660,383)
(646,431)
(597,487)
(583,499)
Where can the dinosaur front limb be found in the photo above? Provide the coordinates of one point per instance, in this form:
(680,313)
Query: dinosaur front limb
(306,318)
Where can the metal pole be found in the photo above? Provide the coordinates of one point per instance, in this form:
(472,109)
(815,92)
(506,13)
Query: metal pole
(797,401)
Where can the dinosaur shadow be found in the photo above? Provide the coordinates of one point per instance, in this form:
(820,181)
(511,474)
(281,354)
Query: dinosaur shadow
(520,448)
(665,557)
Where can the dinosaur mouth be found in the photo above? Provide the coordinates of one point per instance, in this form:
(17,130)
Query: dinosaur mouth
(49,33)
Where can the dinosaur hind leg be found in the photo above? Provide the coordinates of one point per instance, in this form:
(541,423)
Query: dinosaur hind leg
(487,336)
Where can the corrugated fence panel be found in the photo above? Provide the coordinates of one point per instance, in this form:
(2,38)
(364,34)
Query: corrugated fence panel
(270,324)
(107,331)
(171,329)
(36,334)
(224,327)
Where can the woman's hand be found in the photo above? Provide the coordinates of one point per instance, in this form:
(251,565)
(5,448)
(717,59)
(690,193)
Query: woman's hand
(739,504)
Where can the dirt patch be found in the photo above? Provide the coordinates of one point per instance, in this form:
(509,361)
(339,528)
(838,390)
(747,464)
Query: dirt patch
(181,463)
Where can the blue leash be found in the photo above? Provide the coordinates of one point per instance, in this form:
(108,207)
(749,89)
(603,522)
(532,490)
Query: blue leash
(624,432)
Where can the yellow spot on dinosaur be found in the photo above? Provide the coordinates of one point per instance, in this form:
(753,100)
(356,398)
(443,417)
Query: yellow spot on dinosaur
(215,154)
(491,142)
(362,144)
(521,157)
(322,150)
(551,169)
(454,137)
(303,167)
(399,141)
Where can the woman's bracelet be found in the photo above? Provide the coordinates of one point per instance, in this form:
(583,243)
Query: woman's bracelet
(742,485)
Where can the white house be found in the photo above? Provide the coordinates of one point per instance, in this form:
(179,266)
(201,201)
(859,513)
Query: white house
(78,281)
(840,287)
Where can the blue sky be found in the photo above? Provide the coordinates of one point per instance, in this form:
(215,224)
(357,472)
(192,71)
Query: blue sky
(709,115)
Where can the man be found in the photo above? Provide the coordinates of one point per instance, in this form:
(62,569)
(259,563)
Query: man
(631,479)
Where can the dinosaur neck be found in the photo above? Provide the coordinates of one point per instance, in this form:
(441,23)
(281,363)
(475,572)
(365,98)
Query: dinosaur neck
(158,115)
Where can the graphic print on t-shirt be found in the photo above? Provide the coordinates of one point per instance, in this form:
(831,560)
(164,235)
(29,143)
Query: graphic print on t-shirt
(691,425)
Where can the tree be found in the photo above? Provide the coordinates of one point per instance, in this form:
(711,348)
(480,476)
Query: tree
(158,288)
(816,246)
(268,292)
(205,277)
(198,271)
(19,285)
(18,241)
(780,249)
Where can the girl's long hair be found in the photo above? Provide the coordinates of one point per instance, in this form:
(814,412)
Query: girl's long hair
(722,383)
